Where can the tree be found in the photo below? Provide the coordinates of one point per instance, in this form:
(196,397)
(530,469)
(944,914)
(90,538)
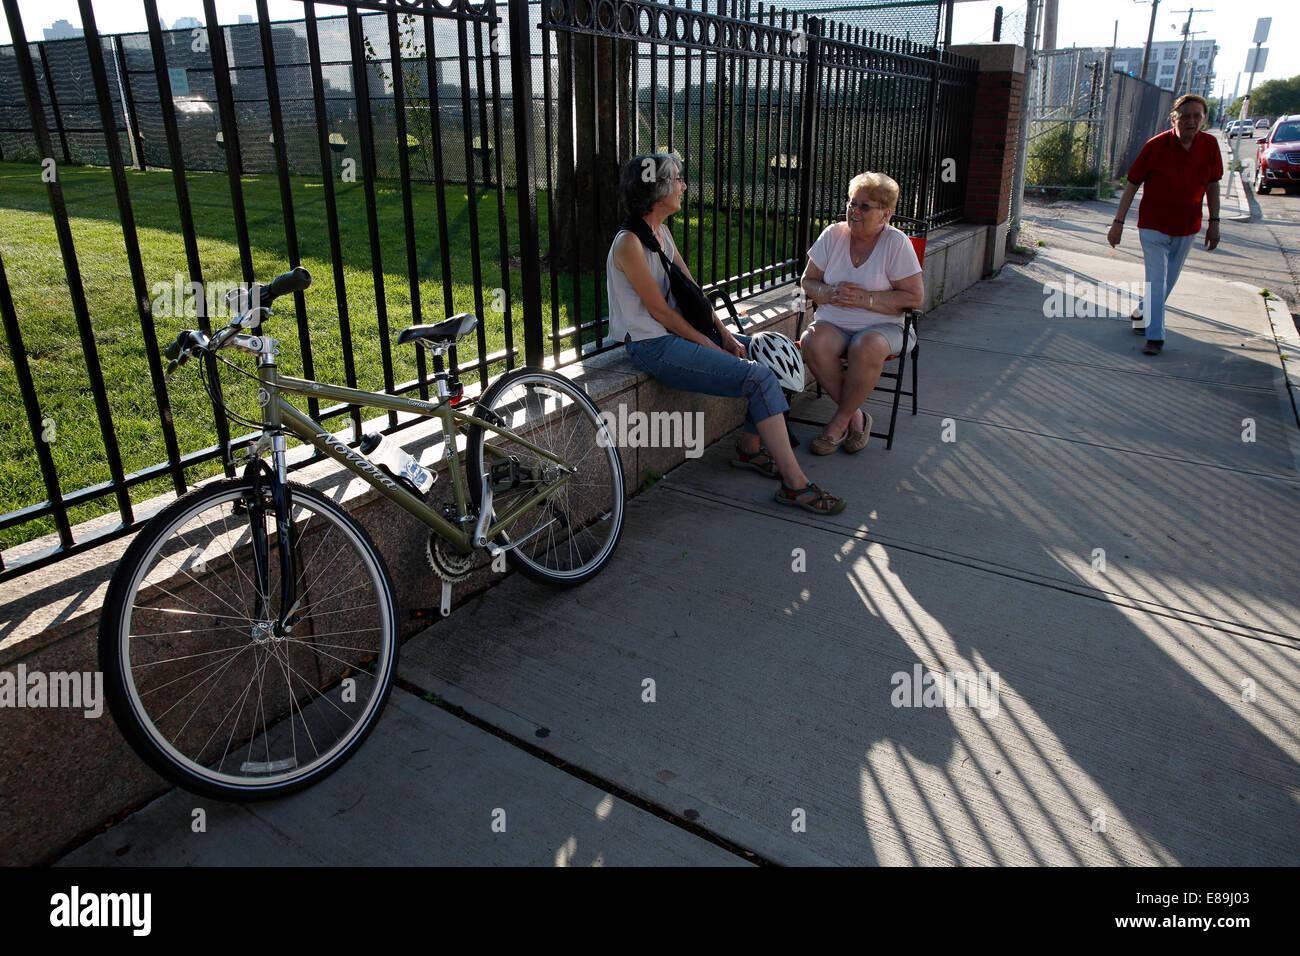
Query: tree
(595,104)
(1274,98)
(419,105)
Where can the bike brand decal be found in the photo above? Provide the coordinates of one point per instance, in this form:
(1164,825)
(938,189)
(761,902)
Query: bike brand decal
(363,463)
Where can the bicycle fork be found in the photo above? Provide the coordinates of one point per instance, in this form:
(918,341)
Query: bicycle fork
(263,477)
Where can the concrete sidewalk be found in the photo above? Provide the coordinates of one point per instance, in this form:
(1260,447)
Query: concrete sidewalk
(1102,538)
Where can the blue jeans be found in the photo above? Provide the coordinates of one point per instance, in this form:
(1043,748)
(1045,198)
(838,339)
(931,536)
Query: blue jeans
(681,363)
(1164,257)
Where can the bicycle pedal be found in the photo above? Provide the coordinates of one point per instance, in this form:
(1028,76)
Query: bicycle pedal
(504,475)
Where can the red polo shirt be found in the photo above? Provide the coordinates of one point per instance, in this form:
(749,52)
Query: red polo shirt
(1173,181)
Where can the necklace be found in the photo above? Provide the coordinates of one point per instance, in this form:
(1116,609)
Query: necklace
(856,257)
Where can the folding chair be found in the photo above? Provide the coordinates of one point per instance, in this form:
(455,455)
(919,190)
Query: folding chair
(719,297)
(911,318)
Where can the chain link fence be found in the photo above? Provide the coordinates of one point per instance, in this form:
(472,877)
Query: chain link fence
(1067,125)
(918,21)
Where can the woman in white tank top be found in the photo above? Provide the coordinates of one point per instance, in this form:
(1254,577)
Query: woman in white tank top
(661,342)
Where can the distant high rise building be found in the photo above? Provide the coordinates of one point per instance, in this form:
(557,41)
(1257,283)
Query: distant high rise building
(187,23)
(1198,65)
(62,30)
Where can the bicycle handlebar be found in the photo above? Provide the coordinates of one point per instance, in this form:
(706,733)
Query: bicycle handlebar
(258,299)
(295,280)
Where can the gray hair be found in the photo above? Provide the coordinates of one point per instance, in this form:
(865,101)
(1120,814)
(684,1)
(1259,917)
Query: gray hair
(646,180)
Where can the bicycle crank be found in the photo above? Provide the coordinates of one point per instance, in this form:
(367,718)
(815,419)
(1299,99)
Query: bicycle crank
(448,565)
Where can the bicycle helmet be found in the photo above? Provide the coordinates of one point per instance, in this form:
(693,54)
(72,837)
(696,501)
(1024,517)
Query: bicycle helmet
(779,354)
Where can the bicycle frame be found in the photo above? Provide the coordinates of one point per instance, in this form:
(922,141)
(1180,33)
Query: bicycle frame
(279,417)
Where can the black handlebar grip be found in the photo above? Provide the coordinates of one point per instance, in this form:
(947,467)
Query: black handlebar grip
(295,280)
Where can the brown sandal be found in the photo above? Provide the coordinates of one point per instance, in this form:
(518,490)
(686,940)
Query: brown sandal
(809,498)
(759,461)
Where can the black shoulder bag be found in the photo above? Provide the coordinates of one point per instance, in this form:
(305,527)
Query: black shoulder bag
(692,303)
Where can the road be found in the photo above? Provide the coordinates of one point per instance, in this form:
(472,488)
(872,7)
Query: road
(1275,232)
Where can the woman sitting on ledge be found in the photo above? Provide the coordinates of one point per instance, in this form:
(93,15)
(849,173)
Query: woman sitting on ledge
(659,340)
(862,273)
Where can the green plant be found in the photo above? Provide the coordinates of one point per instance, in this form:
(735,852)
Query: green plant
(1059,156)
(651,476)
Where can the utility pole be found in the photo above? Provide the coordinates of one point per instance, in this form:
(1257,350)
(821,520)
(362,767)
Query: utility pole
(1191,62)
(1151,29)
(1182,49)
(1026,106)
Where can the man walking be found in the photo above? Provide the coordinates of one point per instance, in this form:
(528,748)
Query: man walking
(1175,169)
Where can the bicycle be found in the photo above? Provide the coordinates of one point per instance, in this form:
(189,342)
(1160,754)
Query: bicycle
(249,637)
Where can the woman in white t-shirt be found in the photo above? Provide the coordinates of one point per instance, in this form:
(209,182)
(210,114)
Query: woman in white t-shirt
(862,273)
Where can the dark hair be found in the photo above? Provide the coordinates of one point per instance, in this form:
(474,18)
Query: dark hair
(646,180)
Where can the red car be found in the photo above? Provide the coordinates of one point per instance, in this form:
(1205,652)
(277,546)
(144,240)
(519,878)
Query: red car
(1277,156)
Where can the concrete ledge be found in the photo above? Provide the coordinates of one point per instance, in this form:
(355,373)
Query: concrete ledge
(63,774)
(994,57)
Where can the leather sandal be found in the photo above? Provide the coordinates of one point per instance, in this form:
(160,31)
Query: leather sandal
(809,498)
(759,461)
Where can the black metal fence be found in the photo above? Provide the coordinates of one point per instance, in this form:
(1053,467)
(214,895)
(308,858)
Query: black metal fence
(384,150)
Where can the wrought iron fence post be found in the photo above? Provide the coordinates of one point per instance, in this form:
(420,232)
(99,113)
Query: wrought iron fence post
(808,135)
(922,213)
(521,91)
(54,102)
(128,105)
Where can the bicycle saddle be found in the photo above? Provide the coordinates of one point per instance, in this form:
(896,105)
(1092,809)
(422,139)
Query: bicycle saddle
(446,331)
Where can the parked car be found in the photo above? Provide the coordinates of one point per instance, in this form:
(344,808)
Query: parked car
(1277,156)
(1240,128)
(1263,123)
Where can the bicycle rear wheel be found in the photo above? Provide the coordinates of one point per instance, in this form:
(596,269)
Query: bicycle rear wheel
(571,535)
(203,683)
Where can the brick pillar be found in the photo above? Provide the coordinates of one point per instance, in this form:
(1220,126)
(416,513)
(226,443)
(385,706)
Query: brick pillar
(994,129)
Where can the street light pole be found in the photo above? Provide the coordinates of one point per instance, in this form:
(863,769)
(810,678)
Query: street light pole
(1254,63)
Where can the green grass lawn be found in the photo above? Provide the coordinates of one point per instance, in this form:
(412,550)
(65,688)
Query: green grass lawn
(38,282)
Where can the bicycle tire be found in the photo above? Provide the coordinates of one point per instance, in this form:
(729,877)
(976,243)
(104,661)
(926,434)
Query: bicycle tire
(184,648)
(552,412)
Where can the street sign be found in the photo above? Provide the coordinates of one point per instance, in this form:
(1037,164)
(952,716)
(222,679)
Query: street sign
(1261,29)
(1255,64)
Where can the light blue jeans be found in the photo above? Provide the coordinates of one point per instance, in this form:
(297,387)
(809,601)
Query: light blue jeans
(682,364)
(1164,257)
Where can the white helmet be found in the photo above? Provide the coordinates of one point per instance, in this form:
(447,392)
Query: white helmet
(779,354)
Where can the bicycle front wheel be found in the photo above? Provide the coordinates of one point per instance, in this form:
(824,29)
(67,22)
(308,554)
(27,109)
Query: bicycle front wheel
(567,538)
(204,682)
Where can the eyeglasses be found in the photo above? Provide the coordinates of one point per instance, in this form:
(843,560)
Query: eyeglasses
(680,179)
(863,207)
